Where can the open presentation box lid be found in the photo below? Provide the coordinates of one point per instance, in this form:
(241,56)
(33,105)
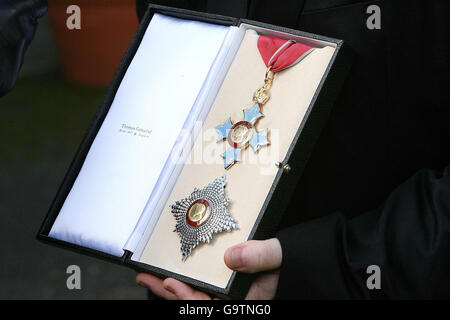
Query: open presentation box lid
(283,181)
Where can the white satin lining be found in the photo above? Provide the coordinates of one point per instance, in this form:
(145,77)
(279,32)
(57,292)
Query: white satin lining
(121,170)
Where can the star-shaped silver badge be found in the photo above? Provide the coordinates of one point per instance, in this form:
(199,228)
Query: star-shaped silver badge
(201,215)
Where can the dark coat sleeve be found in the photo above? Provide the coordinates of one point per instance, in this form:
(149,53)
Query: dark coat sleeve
(18,23)
(408,237)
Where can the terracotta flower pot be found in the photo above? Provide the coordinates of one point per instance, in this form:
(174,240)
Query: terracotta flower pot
(91,54)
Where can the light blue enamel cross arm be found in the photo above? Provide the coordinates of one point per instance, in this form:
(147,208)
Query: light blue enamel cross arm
(252,114)
(223,130)
(258,140)
(231,156)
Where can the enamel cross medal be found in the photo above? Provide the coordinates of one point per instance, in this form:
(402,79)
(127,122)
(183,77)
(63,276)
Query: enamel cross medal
(204,212)
(243,133)
(278,54)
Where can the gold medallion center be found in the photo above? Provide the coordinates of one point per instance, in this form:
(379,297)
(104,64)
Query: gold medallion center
(197,212)
(240,134)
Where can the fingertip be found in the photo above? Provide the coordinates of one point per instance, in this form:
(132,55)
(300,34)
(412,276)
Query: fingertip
(154,284)
(171,285)
(254,256)
(145,280)
(227,258)
(183,291)
(234,257)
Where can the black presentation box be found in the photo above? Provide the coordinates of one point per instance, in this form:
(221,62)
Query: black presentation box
(286,178)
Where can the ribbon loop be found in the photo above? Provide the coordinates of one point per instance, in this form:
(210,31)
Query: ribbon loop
(279,54)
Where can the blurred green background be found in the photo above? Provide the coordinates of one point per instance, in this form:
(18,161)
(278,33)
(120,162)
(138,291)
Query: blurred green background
(42,122)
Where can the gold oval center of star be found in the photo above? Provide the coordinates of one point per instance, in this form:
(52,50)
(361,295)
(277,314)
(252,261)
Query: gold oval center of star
(197,212)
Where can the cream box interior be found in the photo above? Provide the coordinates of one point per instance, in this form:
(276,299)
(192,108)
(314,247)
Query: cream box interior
(158,142)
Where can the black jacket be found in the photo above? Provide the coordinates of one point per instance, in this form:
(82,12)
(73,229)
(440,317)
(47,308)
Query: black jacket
(365,197)
(18,22)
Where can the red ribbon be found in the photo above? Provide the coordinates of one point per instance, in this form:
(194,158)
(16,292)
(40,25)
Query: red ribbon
(280,54)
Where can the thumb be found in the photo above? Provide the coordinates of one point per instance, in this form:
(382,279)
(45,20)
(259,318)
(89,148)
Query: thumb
(254,256)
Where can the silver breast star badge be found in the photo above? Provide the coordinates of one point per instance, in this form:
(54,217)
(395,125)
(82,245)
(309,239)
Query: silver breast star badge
(201,215)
